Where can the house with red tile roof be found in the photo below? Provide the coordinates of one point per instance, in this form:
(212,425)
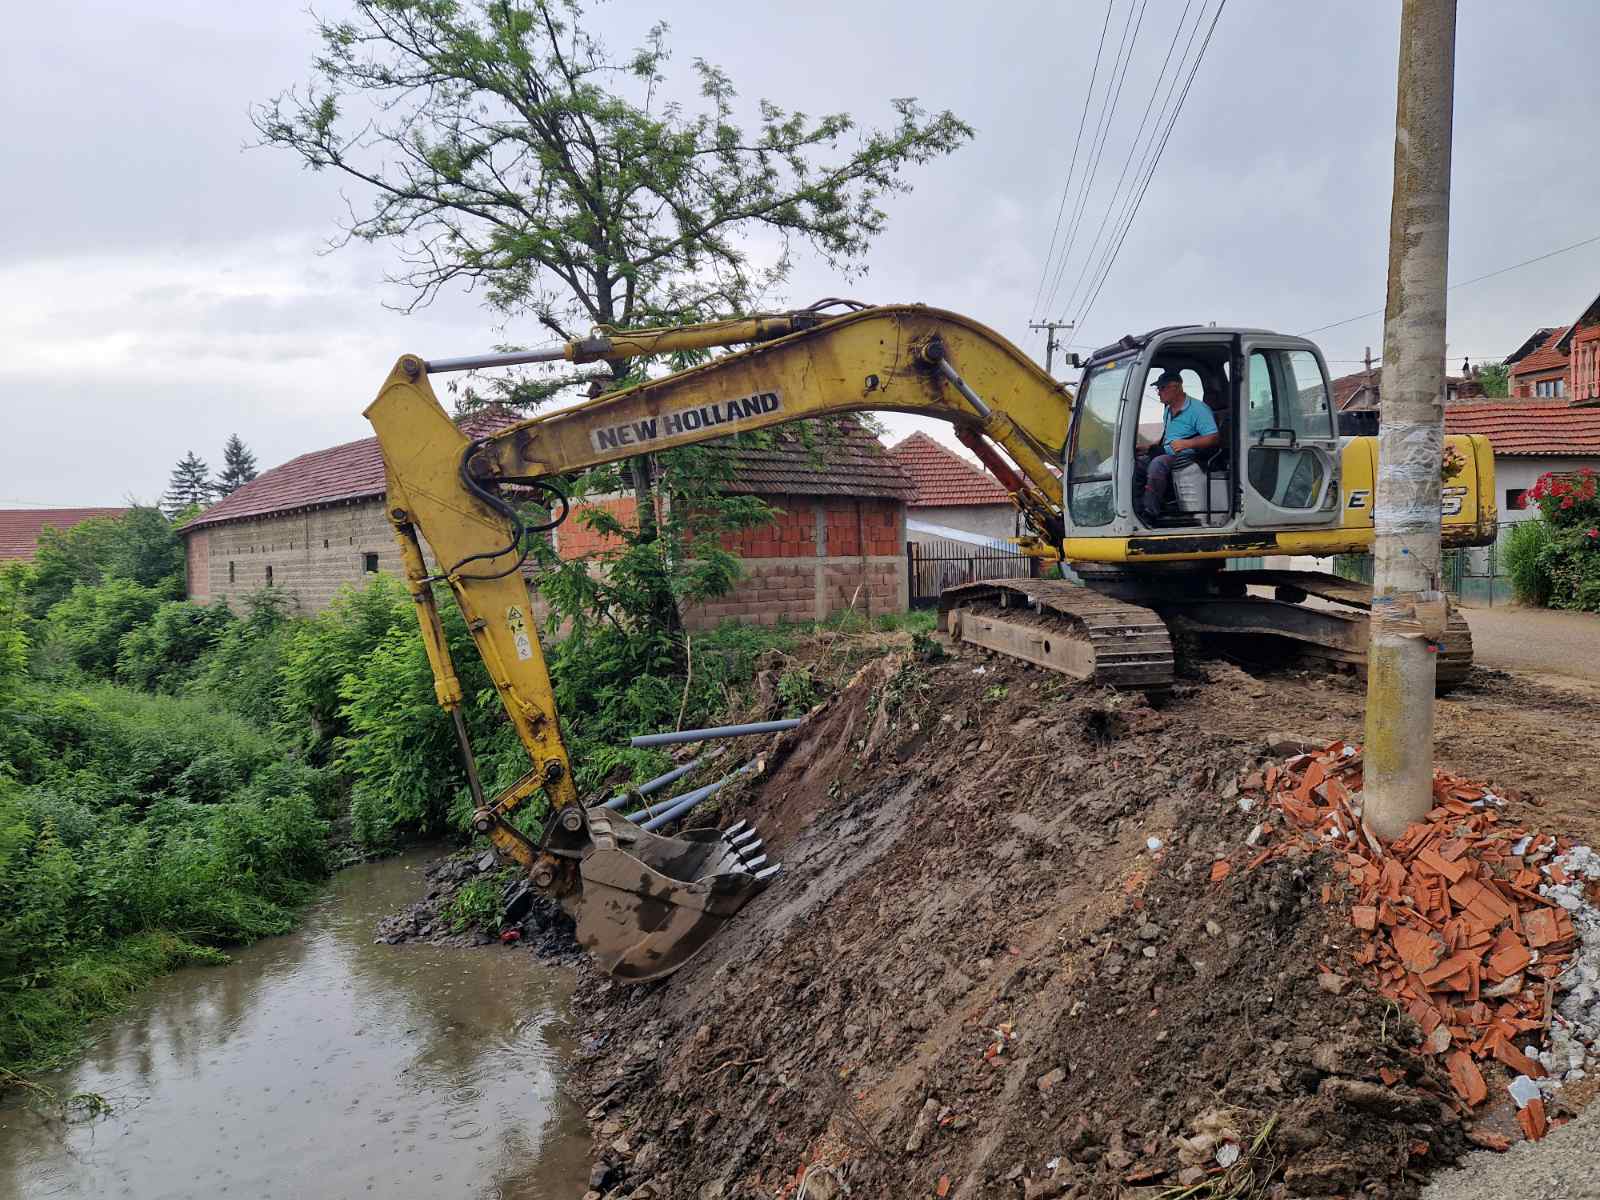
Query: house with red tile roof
(1529,438)
(952,495)
(20,527)
(1542,373)
(316,523)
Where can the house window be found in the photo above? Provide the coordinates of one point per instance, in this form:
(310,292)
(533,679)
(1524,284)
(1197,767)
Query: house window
(230,572)
(269,576)
(1550,387)
(324,543)
(369,563)
(1516,498)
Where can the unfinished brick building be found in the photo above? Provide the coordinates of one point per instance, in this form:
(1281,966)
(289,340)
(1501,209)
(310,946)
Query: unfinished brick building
(317,523)
(837,542)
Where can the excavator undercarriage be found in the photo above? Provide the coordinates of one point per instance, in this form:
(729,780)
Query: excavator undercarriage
(1115,629)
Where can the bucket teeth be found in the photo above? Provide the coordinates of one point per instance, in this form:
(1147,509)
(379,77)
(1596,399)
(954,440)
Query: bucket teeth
(750,864)
(734,828)
(767,873)
(742,838)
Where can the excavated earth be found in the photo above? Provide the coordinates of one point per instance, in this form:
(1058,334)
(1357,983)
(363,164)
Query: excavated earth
(996,963)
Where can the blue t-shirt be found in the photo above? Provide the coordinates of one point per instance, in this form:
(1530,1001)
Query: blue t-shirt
(1193,420)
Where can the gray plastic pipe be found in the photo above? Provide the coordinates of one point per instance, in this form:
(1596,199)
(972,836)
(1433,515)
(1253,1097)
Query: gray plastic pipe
(716,731)
(682,804)
(656,784)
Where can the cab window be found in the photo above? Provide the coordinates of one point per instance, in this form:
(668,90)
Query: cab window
(1092,449)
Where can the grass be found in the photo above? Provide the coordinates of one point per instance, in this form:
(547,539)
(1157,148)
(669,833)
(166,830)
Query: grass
(46,1025)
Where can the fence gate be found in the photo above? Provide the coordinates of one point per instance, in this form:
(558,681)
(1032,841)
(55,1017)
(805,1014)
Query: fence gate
(940,563)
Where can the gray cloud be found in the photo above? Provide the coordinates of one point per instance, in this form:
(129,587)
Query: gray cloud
(161,287)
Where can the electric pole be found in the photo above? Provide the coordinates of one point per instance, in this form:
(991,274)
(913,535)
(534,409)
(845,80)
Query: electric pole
(1408,608)
(1050,343)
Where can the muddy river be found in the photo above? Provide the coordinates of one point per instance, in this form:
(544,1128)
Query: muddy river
(320,1065)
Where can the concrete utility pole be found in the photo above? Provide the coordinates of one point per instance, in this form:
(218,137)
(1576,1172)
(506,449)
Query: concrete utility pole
(1050,343)
(1408,608)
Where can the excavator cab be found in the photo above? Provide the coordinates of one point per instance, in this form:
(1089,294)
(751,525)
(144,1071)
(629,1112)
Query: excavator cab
(1278,463)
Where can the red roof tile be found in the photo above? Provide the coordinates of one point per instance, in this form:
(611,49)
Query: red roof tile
(1548,357)
(20,527)
(853,463)
(1525,428)
(943,477)
(820,457)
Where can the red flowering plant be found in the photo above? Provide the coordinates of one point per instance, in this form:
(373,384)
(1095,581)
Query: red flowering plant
(1570,500)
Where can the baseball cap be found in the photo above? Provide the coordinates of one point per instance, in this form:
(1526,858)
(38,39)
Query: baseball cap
(1165,378)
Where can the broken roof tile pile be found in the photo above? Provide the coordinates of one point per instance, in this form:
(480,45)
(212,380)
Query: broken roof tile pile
(1523,427)
(1469,925)
(942,477)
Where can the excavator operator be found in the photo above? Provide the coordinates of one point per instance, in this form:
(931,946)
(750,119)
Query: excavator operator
(1187,427)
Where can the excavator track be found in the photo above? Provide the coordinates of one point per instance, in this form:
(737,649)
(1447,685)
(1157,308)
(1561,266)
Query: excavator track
(1334,631)
(1065,627)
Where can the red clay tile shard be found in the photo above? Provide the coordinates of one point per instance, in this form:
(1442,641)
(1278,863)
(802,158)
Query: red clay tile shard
(1220,870)
(1467,1079)
(1364,916)
(1455,872)
(1448,970)
(1516,1059)
(1532,1120)
(1418,951)
(1489,1140)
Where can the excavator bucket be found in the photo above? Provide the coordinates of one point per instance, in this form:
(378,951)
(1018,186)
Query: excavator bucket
(648,904)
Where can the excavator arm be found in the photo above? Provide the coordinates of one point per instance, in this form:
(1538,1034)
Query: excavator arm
(644,904)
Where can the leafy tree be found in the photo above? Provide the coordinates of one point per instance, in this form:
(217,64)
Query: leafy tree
(141,545)
(1496,379)
(90,623)
(238,466)
(503,145)
(190,486)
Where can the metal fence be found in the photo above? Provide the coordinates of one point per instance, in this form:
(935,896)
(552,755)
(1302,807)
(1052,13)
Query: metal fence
(940,563)
(1476,575)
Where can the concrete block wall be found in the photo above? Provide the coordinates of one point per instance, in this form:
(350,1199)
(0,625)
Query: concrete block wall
(310,555)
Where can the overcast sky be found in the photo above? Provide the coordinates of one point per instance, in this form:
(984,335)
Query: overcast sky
(162,287)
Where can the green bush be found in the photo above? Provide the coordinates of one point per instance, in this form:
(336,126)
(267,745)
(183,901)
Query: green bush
(1527,550)
(165,654)
(243,673)
(89,625)
(137,832)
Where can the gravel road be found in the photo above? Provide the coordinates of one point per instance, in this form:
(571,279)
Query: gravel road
(1564,1166)
(1536,641)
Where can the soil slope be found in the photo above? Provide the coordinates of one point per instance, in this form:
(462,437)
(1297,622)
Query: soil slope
(997,963)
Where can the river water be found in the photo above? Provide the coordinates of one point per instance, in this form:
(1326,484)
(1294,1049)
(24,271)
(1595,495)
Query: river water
(319,1065)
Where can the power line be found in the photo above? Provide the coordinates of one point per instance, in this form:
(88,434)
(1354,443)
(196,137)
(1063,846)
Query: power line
(1147,158)
(1133,146)
(1097,145)
(1378,312)
(1066,186)
(1155,162)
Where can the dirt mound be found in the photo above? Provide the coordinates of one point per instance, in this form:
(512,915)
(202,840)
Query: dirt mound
(1003,961)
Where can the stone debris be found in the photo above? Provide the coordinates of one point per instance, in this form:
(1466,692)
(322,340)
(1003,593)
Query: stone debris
(1471,926)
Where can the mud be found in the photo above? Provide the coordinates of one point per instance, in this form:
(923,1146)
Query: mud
(996,964)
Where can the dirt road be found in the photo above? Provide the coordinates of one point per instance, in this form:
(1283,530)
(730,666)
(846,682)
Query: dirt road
(1537,641)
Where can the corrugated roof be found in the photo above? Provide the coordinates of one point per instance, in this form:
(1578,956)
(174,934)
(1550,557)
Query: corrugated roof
(943,477)
(1528,428)
(20,527)
(823,457)
(1548,357)
(851,462)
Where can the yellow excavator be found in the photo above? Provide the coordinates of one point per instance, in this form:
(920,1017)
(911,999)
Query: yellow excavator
(1282,482)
